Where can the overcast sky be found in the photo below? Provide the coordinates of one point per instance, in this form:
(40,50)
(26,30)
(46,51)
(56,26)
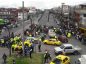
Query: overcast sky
(42,4)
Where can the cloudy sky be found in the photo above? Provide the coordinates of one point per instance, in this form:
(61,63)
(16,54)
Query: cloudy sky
(42,4)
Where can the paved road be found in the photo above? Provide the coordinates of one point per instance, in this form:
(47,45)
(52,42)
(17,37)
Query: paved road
(2,51)
(19,28)
(44,18)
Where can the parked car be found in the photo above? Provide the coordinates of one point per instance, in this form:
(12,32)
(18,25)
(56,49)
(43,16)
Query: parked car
(67,48)
(63,39)
(61,59)
(84,40)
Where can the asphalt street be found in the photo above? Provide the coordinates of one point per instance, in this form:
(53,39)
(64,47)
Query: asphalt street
(20,26)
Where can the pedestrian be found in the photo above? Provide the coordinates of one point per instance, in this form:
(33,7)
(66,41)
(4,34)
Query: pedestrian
(4,57)
(12,35)
(30,53)
(14,61)
(39,46)
(42,38)
(47,56)
(25,51)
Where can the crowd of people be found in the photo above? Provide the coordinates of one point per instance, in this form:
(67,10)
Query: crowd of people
(15,41)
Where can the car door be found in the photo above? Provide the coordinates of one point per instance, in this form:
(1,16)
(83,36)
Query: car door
(68,49)
(50,41)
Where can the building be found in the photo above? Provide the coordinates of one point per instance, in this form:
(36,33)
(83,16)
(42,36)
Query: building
(20,14)
(81,11)
(32,10)
(9,14)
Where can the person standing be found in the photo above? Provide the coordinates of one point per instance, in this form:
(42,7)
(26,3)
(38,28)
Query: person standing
(39,46)
(30,53)
(12,35)
(14,62)
(4,57)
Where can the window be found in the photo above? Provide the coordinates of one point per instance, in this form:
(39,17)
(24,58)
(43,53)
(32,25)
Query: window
(65,60)
(56,61)
(62,46)
(84,15)
(68,47)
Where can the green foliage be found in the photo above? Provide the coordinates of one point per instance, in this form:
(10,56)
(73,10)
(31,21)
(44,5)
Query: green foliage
(2,21)
(36,59)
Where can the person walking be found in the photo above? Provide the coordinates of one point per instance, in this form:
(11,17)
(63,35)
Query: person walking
(14,62)
(47,56)
(30,53)
(39,46)
(4,57)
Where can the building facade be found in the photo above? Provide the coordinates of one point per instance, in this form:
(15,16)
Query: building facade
(20,13)
(9,14)
(81,10)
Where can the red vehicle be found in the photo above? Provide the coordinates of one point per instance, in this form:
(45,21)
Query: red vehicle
(63,39)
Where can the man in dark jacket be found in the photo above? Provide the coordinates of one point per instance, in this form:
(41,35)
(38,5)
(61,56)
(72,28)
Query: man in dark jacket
(47,57)
(39,46)
(4,57)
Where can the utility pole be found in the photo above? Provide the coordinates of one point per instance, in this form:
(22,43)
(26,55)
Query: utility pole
(23,26)
(62,15)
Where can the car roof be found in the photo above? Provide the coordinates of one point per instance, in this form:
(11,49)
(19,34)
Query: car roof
(67,45)
(52,39)
(62,57)
(84,56)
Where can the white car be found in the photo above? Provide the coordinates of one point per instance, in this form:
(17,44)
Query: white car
(67,48)
(51,33)
(82,60)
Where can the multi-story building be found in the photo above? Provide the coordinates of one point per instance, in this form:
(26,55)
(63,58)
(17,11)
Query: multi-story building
(32,10)
(20,13)
(9,14)
(81,11)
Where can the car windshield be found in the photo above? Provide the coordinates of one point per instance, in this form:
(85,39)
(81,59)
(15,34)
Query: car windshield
(56,61)
(62,46)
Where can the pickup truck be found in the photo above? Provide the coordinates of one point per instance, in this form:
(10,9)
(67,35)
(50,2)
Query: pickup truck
(67,48)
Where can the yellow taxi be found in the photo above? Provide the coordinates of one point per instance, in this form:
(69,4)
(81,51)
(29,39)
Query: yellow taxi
(52,42)
(61,59)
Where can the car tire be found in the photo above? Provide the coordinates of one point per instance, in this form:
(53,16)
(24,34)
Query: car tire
(69,63)
(55,44)
(76,52)
(45,42)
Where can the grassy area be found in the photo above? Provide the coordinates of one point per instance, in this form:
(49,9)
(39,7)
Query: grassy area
(36,59)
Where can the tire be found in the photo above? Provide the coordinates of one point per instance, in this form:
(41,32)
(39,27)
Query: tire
(76,52)
(55,44)
(69,63)
(45,42)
